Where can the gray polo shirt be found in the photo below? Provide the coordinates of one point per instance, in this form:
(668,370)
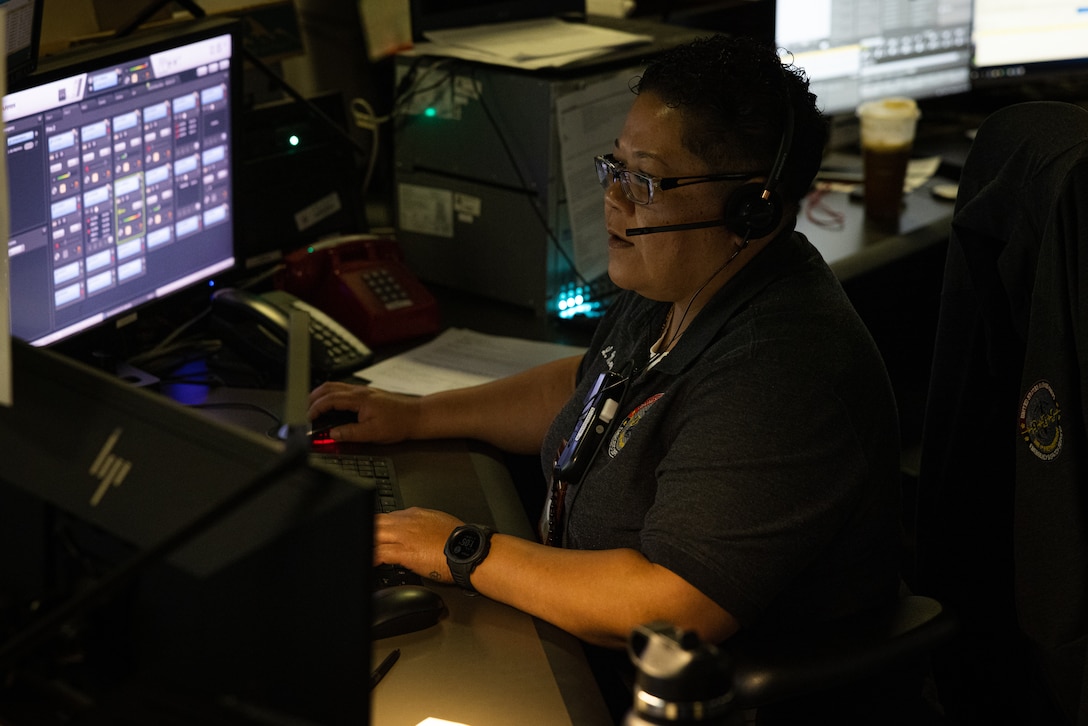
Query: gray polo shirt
(759,460)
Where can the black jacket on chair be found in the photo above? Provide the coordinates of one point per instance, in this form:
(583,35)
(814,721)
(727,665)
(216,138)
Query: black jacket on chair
(1003,487)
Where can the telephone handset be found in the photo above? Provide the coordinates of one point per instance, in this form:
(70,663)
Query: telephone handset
(256,327)
(363,281)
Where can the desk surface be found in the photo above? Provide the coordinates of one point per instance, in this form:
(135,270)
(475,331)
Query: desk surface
(461,671)
(486,664)
(854,247)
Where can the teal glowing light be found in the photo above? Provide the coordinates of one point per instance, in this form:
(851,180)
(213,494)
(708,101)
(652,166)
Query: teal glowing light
(576,300)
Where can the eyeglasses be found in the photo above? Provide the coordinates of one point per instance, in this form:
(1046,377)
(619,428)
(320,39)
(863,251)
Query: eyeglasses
(639,188)
(599,410)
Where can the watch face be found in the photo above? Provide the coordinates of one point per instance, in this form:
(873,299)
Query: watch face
(465,545)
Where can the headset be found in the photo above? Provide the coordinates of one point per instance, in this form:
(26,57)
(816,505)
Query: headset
(753,210)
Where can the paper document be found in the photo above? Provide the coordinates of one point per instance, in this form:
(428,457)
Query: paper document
(459,358)
(588,118)
(528,44)
(919,171)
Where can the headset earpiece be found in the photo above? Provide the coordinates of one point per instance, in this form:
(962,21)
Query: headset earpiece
(754,210)
(749,215)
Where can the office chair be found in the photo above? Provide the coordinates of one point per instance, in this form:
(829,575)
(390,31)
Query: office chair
(1002,526)
(850,665)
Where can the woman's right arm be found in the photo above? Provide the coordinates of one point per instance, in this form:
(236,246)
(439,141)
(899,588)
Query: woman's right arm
(512,413)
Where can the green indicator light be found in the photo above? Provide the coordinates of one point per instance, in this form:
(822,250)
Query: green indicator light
(293,140)
(430,112)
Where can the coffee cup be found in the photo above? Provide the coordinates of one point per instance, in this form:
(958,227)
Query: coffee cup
(887,129)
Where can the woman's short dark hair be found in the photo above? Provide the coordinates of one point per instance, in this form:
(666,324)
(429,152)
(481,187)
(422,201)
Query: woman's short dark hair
(733,94)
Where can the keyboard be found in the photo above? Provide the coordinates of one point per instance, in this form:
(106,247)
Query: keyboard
(374,470)
(377,471)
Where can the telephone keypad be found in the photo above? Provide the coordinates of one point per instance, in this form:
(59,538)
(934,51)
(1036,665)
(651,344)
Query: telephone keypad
(386,288)
(342,349)
(337,349)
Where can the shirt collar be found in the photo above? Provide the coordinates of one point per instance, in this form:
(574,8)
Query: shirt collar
(770,264)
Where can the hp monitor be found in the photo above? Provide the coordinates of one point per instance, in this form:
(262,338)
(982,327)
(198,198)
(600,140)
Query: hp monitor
(255,607)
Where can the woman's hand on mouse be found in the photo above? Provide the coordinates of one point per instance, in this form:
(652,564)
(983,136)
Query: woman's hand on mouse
(383,417)
(415,538)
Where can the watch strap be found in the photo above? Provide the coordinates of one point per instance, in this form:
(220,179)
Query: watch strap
(462,569)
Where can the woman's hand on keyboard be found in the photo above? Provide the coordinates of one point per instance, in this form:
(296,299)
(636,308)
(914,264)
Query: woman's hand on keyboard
(415,538)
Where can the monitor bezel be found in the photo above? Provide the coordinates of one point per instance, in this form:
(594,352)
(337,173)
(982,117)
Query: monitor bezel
(219,614)
(83,58)
(1019,74)
(24,61)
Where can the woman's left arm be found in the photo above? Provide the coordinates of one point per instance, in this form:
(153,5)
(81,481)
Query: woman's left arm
(598,595)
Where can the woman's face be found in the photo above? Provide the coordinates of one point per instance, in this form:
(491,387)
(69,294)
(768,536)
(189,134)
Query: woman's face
(671,265)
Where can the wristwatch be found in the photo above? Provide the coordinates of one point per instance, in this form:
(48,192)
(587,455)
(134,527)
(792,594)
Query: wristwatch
(467,547)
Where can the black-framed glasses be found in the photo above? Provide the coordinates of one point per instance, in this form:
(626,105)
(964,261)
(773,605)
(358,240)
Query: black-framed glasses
(639,188)
(598,414)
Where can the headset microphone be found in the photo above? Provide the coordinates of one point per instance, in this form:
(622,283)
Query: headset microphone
(636,231)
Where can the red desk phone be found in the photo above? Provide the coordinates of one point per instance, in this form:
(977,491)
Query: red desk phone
(362,281)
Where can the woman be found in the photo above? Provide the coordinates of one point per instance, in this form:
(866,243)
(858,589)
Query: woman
(749,478)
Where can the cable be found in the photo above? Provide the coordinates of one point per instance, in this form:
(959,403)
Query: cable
(521,178)
(818,212)
(198,12)
(409,83)
(305,102)
(410,87)
(239,406)
(365,118)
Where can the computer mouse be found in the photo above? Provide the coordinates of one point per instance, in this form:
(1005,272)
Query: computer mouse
(319,427)
(401,609)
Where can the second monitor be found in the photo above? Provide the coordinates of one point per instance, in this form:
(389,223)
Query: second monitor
(1016,43)
(855,51)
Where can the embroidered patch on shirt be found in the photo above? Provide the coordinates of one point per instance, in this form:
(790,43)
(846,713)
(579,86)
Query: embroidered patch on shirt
(619,439)
(1040,421)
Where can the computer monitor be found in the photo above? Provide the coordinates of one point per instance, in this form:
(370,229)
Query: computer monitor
(854,51)
(23,28)
(120,158)
(263,614)
(1018,43)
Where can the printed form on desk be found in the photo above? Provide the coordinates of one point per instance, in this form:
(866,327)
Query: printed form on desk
(458,358)
(528,44)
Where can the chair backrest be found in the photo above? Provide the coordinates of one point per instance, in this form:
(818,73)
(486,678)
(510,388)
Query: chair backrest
(1002,528)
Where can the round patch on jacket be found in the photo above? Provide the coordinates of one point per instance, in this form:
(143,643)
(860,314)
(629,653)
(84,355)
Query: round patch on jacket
(1040,421)
(623,431)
